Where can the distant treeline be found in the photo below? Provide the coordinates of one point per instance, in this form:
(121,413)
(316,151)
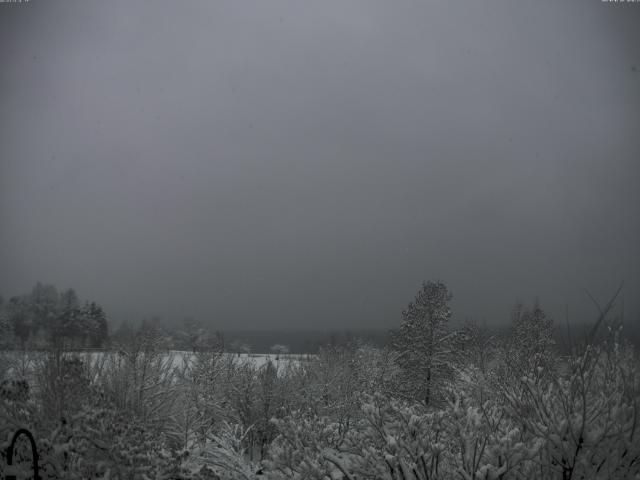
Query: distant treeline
(192,335)
(47,317)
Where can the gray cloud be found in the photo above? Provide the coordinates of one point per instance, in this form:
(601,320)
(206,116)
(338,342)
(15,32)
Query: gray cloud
(281,164)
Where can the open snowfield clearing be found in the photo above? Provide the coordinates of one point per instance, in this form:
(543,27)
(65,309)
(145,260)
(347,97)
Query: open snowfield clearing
(16,364)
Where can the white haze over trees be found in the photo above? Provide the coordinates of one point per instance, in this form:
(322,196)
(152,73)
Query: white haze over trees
(280,165)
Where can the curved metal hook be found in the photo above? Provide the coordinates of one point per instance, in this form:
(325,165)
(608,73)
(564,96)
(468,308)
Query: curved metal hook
(34,453)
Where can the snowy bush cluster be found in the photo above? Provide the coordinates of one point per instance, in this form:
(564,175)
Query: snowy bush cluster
(438,403)
(578,424)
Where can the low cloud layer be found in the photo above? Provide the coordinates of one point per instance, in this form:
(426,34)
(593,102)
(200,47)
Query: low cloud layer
(306,165)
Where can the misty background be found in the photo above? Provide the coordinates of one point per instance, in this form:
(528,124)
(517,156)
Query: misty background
(281,164)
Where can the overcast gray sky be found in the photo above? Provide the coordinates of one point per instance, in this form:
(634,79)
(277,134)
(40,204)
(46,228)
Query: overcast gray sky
(307,164)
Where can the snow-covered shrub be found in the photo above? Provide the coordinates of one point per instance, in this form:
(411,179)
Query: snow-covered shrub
(223,453)
(587,418)
(140,379)
(62,381)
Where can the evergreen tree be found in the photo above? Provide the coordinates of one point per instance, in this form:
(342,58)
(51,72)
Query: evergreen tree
(44,302)
(423,342)
(532,341)
(20,319)
(96,320)
(70,326)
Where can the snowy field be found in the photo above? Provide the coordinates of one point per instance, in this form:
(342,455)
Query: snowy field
(20,364)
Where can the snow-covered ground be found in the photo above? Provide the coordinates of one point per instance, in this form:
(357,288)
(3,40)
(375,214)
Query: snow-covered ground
(22,362)
(257,359)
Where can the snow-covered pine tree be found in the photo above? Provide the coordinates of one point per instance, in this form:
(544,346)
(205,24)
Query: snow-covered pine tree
(532,344)
(20,319)
(96,328)
(70,324)
(423,343)
(44,304)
